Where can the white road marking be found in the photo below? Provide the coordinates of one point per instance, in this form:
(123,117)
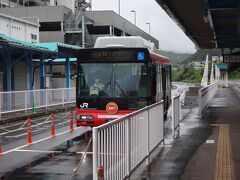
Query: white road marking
(210,141)
(40,140)
(84,152)
(28,150)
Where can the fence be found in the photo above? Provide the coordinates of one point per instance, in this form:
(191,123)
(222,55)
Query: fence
(206,95)
(175,114)
(121,145)
(25,100)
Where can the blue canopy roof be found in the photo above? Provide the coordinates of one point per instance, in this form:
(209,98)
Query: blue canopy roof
(58,60)
(48,46)
(14,42)
(53,46)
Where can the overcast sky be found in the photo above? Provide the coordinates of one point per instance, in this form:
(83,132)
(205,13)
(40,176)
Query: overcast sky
(170,36)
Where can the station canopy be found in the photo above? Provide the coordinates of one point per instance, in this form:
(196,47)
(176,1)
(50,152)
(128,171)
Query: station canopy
(208,23)
(59,50)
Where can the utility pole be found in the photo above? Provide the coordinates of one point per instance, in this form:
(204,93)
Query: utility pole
(135,19)
(148,28)
(119,8)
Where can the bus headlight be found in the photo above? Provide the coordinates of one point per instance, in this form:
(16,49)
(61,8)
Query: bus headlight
(84,117)
(89,117)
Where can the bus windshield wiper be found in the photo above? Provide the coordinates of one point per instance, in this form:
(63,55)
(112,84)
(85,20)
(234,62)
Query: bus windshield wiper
(122,91)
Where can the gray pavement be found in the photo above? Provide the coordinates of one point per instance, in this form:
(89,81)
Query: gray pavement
(18,153)
(55,164)
(203,146)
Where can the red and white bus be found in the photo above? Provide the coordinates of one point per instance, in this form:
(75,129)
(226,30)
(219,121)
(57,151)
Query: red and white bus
(118,76)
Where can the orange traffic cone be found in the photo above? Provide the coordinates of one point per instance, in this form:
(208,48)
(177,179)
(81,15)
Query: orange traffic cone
(71,121)
(52,127)
(29,136)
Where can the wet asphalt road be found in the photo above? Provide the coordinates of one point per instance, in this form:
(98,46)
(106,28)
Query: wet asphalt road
(20,162)
(58,164)
(13,132)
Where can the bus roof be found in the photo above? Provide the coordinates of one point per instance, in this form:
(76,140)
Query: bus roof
(131,42)
(123,41)
(159,58)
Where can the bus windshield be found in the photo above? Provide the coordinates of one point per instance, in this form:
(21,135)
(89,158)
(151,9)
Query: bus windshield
(113,80)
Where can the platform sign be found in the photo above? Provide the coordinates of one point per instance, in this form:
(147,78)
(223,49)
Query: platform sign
(223,66)
(231,58)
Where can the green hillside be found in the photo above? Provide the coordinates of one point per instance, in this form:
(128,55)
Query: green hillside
(189,75)
(185,58)
(201,54)
(175,57)
(234,75)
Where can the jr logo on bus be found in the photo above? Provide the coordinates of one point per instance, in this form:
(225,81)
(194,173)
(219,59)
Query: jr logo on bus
(140,56)
(84,105)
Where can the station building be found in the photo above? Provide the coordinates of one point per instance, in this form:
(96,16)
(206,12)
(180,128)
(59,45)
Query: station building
(65,22)
(74,5)
(24,29)
(60,24)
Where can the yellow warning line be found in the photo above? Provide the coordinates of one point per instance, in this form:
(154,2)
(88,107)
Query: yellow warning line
(224,163)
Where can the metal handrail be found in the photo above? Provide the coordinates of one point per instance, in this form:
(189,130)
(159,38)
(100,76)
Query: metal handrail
(122,145)
(110,123)
(35,90)
(209,90)
(15,101)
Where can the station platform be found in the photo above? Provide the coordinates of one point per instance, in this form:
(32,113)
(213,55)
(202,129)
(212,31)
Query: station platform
(207,147)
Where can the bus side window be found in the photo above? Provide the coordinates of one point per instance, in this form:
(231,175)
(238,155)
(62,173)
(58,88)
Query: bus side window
(168,77)
(159,82)
(154,82)
(159,78)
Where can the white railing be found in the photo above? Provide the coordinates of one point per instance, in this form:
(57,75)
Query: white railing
(175,115)
(121,145)
(206,95)
(25,100)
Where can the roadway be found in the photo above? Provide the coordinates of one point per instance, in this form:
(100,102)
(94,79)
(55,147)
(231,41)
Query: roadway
(57,163)
(18,156)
